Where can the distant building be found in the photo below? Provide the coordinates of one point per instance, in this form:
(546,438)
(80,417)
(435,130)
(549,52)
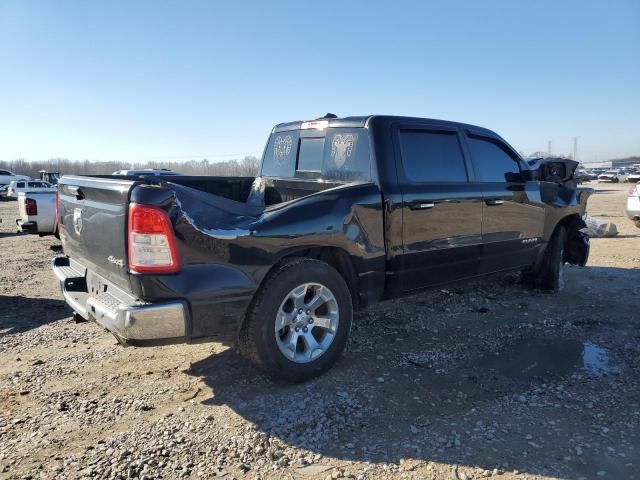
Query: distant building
(625,162)
(588,165)
(540,154)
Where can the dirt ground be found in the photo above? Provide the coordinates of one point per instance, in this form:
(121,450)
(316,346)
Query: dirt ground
(470,381)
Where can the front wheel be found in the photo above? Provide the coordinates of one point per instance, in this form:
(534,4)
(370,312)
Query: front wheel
(299,322)
(550,276)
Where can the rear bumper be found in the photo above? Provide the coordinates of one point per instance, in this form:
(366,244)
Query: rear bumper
(132,321)
(27,227)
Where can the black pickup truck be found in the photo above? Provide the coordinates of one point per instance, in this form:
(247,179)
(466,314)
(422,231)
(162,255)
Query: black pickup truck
(344,212)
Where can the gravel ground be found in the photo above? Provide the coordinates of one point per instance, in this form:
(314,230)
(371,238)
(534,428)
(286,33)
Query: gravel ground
(483,379)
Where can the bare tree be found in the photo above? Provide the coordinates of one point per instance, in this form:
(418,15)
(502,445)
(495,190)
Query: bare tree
(247,167)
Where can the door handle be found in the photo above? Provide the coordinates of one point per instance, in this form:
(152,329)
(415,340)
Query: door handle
(421,205)
(494,201)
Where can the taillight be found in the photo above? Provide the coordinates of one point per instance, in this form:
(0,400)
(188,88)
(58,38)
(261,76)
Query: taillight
(31,206)
(633,191)
(152,246)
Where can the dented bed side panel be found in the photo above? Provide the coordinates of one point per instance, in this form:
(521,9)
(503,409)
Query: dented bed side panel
(227,248)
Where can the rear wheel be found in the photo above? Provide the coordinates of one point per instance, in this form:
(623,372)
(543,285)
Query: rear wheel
(299,322)
(550,276)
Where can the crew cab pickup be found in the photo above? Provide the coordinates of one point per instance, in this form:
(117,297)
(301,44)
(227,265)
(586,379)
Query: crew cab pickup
(344,212)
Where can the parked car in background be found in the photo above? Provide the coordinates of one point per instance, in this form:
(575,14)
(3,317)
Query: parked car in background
(161,172)
(345,212)
(6,177)
(37,212)
(582,175)
(15,187)
(632,208)
(613,176)
(634,176)
(4,190)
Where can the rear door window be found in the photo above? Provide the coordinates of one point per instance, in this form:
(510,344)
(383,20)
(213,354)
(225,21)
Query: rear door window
(432,156)
(20,185)
(493,161)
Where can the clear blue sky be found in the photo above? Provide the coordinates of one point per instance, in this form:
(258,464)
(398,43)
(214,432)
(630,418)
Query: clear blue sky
(140,80)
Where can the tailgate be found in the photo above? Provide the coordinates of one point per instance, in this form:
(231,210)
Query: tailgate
(93,224)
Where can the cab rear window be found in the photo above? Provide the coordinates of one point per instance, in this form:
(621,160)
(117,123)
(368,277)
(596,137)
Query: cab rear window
(332,154)
(310,154)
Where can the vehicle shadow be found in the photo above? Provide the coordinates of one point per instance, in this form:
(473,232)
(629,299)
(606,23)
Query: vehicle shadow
(10,234)
(602,190)
(402,391)
(627,235)
(20,314)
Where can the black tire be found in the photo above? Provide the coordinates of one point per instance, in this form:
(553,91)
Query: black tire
(257,341)
(549,277)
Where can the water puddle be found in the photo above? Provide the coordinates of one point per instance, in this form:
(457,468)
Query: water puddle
(595,359)
(544,358)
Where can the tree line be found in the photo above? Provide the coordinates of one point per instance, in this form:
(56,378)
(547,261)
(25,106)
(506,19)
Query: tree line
(247,167)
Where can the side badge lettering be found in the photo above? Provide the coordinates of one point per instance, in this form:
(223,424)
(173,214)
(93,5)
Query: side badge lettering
(77,220)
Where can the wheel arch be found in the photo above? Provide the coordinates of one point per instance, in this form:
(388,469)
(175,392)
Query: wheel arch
(576,243)
(576,246)
(335,256)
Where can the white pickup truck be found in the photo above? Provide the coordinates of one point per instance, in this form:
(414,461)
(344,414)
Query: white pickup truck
(16,187)
(37,213)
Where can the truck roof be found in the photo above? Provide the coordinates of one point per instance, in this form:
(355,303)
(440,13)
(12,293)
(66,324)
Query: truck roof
(365,120)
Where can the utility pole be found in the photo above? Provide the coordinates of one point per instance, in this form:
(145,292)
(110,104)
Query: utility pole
(549,148)
(575,148)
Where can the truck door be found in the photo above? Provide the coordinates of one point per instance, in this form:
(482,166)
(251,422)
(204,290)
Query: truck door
(441,208)
(512,212)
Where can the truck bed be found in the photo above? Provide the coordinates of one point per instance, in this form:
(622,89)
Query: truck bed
(219,206)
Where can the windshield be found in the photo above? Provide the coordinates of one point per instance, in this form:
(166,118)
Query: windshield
(332,154)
